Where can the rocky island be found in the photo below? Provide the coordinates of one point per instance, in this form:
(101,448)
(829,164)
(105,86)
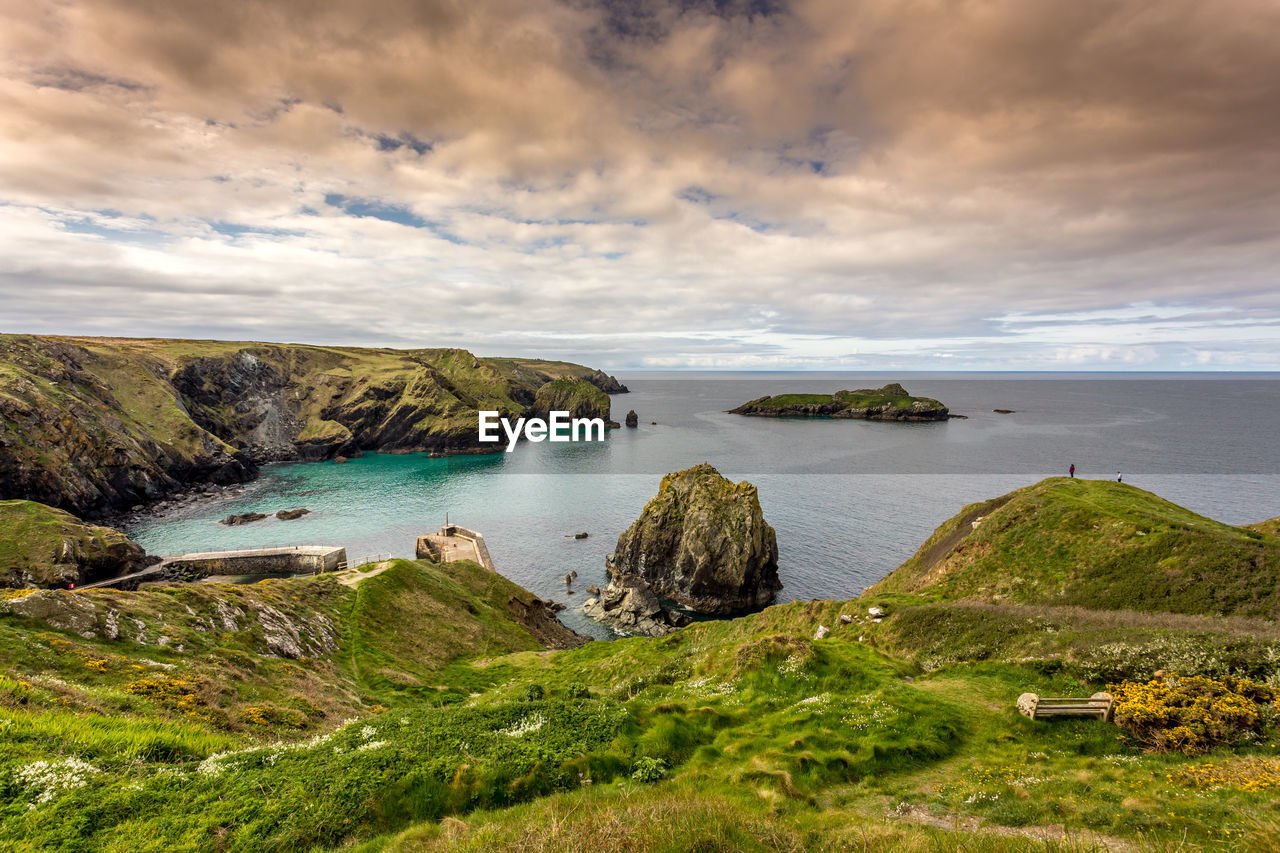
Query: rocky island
(889,403)
(701,542)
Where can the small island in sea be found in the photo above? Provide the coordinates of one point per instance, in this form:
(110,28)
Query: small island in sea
(890,403)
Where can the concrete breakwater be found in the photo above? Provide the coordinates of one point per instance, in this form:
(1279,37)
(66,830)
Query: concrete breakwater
(293,560)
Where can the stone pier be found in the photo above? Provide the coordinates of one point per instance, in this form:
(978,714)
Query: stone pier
(454,543)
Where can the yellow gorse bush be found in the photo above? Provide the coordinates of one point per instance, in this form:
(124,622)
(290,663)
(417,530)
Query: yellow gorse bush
(1248,775)
(1191,714)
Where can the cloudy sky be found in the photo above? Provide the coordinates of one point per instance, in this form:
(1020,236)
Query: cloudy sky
(819,184)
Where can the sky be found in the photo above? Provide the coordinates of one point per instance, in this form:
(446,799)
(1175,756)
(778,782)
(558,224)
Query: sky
(741,184)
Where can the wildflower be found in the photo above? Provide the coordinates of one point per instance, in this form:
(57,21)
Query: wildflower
(47,779)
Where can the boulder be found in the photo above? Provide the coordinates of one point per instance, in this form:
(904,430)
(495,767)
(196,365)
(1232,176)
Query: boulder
(340,460)
(291,514)
(633,420)
(245,518)
(628,605)
(703,543)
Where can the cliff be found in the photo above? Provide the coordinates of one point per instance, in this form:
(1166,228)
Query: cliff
(578,397)
(890,403)
(702,541)
(94,425)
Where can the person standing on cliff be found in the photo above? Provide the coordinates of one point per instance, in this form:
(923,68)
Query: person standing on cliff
(1119,479)
(1072,470)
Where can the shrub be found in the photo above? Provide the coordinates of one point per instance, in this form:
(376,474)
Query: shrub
(648,769)
(534,692)
(577,690)
(1191,714)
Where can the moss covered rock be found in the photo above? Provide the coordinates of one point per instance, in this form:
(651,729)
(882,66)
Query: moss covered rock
(702,542)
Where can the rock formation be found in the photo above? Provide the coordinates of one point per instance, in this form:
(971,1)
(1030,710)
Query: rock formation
(291,514)
(703,543)
(244,518)
(627,604)
(606,383)
(633,420)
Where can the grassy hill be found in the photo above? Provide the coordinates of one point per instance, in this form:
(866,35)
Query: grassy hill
(1096,544)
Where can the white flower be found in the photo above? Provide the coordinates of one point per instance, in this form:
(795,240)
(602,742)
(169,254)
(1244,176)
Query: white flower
(525,726)
(47,779)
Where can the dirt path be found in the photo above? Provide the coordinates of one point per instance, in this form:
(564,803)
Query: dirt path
(351,577)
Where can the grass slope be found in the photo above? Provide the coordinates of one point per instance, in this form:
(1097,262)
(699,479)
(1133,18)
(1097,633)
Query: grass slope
(1097,544)
(47,546)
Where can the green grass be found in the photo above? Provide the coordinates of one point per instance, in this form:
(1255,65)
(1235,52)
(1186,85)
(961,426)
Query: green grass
(456,610)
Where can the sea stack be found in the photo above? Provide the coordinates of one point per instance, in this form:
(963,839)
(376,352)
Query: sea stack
(633,420)
(703,543)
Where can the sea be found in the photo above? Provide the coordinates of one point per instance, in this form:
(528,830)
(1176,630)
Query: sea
(850,500)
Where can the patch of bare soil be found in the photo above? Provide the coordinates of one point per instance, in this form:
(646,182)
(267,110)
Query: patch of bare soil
(1055,832)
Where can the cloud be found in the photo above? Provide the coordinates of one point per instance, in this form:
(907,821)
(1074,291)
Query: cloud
(807,184)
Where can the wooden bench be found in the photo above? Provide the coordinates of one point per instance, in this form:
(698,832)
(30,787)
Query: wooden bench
(1099,705)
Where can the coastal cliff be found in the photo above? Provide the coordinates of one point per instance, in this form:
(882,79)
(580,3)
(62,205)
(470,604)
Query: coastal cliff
(889,403)
(96,425)
(578,397)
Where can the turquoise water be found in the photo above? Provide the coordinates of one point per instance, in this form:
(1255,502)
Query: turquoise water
(850,500)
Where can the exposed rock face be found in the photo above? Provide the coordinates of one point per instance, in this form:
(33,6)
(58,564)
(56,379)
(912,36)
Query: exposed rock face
(633,420)
(627,604)
(703,543)
(291,514)
(539,619)
(889,403)
(606,383)
(45,547)
(95,426)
